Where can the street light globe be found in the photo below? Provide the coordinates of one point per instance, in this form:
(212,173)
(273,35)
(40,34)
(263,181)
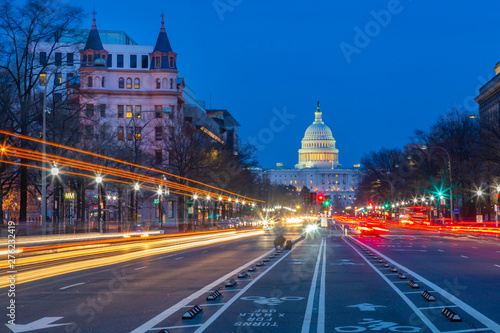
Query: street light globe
(220,198)
(114,197)
(243,202)
(195,196)
(237,201)
(54,171)
(136,187)
(228,199)
(208,197)
(479,192)
(253,204)
(498,188)
(98,179)
(160,192)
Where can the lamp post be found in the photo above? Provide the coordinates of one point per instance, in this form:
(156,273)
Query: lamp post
(160,207)
(452,213)
(136,203)
(98,180)
(98,63)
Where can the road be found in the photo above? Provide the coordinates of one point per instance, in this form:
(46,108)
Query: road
(326,283)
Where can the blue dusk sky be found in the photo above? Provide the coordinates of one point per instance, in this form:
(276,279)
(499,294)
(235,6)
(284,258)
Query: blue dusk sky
(381,69)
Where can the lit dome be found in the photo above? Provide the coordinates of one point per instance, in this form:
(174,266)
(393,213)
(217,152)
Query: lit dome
(318,145)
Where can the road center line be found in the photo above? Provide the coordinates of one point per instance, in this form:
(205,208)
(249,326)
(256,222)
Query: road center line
(419,313)
(306,325)
(179,258)
(467,308)
(140,268)
(464,257)
(72,285)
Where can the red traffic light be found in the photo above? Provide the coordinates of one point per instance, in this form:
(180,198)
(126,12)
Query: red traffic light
(320,197)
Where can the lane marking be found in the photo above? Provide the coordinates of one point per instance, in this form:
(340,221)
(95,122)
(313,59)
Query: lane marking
(306,324)
(179,258)
(497,265)
(417,292)
(464,257)
(419,313)
(439,307)
(440,250)
(72,285)
(242,291)
(467,308)
(174,327)
(466,331)
(320,327)
(204,251)
(190,306)
(140,268)
(171,310)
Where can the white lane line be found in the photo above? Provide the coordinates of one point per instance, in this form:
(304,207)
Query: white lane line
(140,268)
(467,331)
(204,251)
(497,265)
(216,304)
(439,307)
(465,257)
(417,292)
(320,328)
(238,295)
(419,313)
(405,281)
(72,285)
(440,250)
(171,310)
(467,308)
(174,327)
(179,258)
(306,324)
(224,290)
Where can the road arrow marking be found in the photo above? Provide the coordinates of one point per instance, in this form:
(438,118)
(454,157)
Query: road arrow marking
(36,325)
(366,306)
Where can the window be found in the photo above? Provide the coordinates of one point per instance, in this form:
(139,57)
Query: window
(137,83)
(43,79)
(138,133)
(121,83)
(144,61)
(138,110)
(120,111)
(90,60)
(102,82)
(102,109)
(57,79)
(158,156)
(129,83)
(110,60)
(120,132)
(133,61)
(43,58)
(158,110)
(171,62)
(119,60)
(158,83)
(129,111)
(58,58)
(89,82)
(89,111)
(171,83)
(130,130)
(158,133)
(157,62)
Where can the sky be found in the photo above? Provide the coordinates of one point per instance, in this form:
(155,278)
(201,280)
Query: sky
(380,68)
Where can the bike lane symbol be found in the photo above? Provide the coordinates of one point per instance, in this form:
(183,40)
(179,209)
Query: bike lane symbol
(378,325)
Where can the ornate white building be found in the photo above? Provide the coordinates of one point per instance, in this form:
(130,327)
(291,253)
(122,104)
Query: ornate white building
(318,168)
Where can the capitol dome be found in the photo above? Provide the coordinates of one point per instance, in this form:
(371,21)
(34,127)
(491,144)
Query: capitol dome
(318,146)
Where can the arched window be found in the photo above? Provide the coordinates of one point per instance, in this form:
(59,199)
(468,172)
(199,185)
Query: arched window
(89,82)
(158,83)
(102,82)
(137,83)
(121,83)
(97,81)
(171,83)
(129,83)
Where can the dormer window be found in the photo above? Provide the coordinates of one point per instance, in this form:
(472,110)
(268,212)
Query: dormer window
(157,62)
(90,59)
(171,62)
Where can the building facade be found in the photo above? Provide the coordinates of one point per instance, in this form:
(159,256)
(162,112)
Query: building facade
(318,168)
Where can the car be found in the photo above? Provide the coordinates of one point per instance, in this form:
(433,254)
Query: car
(371,229)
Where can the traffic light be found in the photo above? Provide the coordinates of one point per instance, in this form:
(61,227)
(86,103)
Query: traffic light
(327,200)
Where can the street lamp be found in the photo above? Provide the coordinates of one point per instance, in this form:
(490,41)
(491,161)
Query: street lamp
(136,199)
(97,63)
(160,206)
(452,213)
(98,181)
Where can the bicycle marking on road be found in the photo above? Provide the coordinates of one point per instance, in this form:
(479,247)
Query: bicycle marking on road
(377,325)
(490,324)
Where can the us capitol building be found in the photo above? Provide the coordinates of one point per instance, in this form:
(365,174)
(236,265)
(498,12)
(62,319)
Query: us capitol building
(318,168)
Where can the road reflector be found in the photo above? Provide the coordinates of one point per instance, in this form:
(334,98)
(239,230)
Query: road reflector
(271,256)
(252,269)
(231,283)
(380,260)
(375,257)
(266,260)
(413,284)
(393,269)
(213,296)
(260,263)
(243,275)
(450,315)
(428,296)
(401,276)
(193,312)
(385,265)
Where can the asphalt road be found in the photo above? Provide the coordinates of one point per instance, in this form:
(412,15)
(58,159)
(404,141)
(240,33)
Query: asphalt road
(326,283)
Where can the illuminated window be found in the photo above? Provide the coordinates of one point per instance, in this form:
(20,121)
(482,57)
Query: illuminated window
(120,132)
(137,83)
(43,79)
(121,83)
(138,110)
(129,83)
(158,83)
(129,111)
(130,130)
(138,133)
(120,111)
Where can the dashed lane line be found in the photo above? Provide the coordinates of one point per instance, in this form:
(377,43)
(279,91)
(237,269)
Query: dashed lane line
(475,330)
(465,257)
(139,268)
(179,258)
(203,305)
(497,265)
(174,327)
(72,285)
(467,308)
(438,307)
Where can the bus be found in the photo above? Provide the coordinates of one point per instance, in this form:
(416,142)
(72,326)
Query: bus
(415,215)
